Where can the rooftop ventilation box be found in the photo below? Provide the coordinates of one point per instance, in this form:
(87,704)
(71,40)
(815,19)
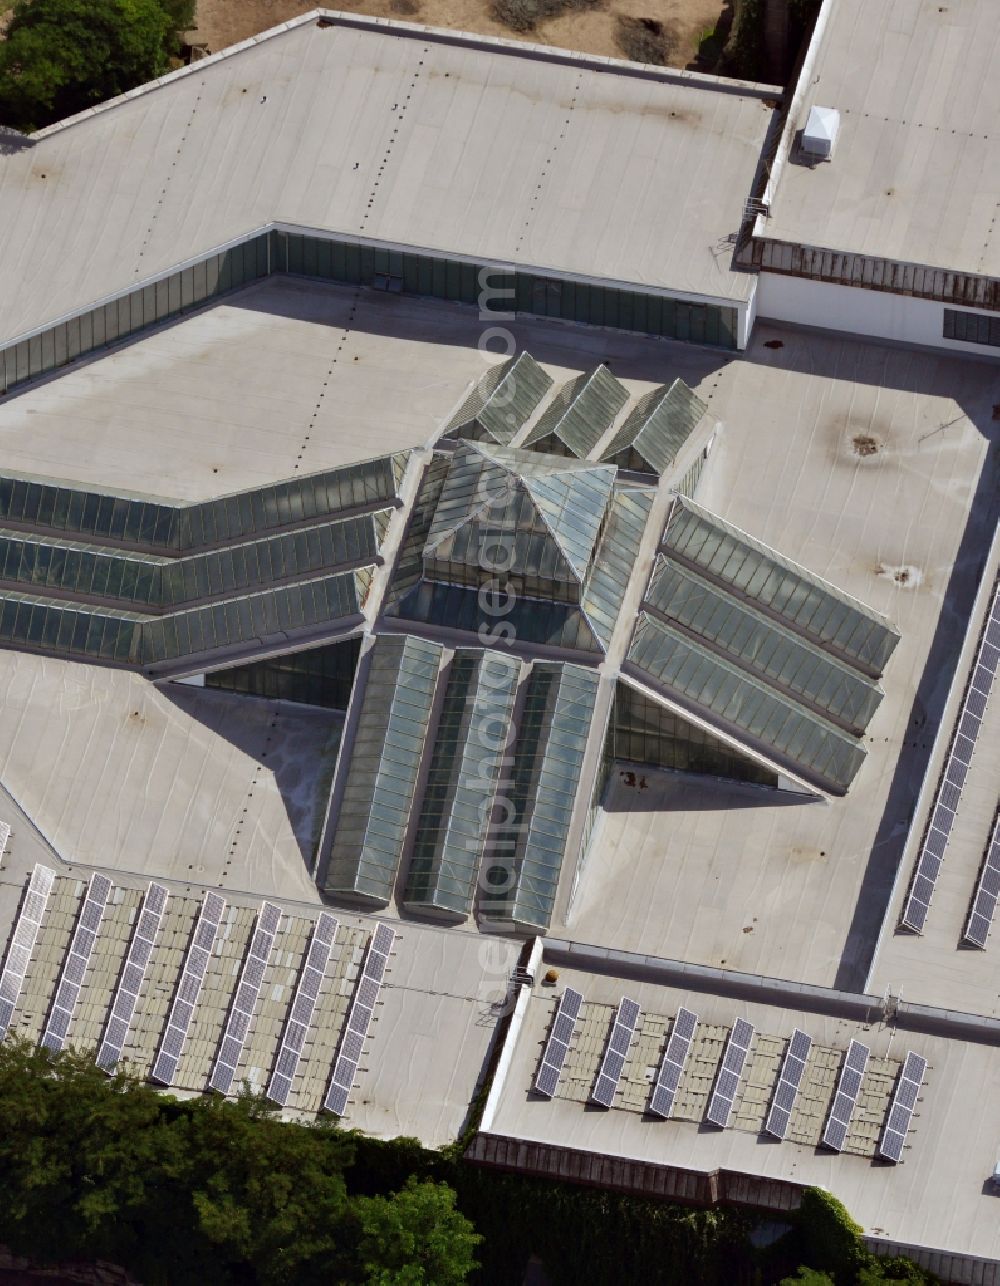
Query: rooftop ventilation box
(819,137)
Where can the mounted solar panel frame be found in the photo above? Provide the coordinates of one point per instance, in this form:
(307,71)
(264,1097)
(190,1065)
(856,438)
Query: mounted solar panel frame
(675,1053)
(245,1000)
(359,1017)
(987,891)
(792,1068)
(952,780)
(22,942)
(77,959)
(615,1052)
(900,1113)
(557,1045)
(189,989)
(126,994)
(303,1008)
(845,1097)
(4,836)
(727,1082)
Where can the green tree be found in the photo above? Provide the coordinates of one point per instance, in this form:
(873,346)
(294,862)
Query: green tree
(808,1277)
(415,1237)
(62,56)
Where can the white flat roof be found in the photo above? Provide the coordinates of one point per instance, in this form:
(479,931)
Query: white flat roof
(719,874)
(398,133)
(916,171)
(936,1197)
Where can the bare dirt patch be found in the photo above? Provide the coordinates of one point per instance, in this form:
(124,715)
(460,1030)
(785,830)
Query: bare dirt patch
(221,23)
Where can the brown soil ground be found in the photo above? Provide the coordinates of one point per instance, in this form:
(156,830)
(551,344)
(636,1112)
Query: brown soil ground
(225,22)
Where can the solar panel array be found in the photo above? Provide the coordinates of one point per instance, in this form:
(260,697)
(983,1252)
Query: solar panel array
(23,943)
(949,791)
(788,1084)
(136,963)
(844,1100)
(303,1007)
(189,989)
(557,1045)
(668,1078)
(720,1105)
(901,1109)
(345,1068)
(608,1074)
(4,836)
(76,962)
(247,994)
(984,900)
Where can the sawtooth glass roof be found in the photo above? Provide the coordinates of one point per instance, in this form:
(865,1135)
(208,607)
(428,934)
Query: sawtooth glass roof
(169,528)
(655,429)
(393,726)
(719,690)
(502,402)
(762,646)
(470,742)
(580,414)
(525,856)
(778,586)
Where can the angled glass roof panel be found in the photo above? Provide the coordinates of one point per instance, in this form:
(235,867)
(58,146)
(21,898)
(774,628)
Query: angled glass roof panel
(804,601)
(581,412)
(497,619)
(656,428)
(526,853)
(762,645)
(502,401)
(393,725)
(469,745)
(529,519)
(716,689)
(614,562)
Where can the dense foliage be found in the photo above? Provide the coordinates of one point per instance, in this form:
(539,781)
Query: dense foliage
(204,1190)
(62,56)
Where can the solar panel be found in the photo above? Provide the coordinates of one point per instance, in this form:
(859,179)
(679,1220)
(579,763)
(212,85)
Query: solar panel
(77,959)
(846,1096)
(317,958)
(901,1109)
(189,989)
(619,1040)
(790,1079)
(987,890)
(360,1015)
(720,1105)
(22,941)
(247,992)
(554,1054)
(4,836)
(668,1077)
(950,785)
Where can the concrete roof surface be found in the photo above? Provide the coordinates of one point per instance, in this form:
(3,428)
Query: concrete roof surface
(915,175)
(396,133)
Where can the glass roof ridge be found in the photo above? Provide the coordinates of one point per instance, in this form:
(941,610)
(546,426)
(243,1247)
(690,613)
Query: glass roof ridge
(570,416)
(696,616)
(503,399)
(718,689)
(658,425)
(871,654)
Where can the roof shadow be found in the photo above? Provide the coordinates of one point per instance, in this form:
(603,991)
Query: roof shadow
(295,744)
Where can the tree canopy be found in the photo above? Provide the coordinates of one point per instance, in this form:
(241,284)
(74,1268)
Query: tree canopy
(62,56)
